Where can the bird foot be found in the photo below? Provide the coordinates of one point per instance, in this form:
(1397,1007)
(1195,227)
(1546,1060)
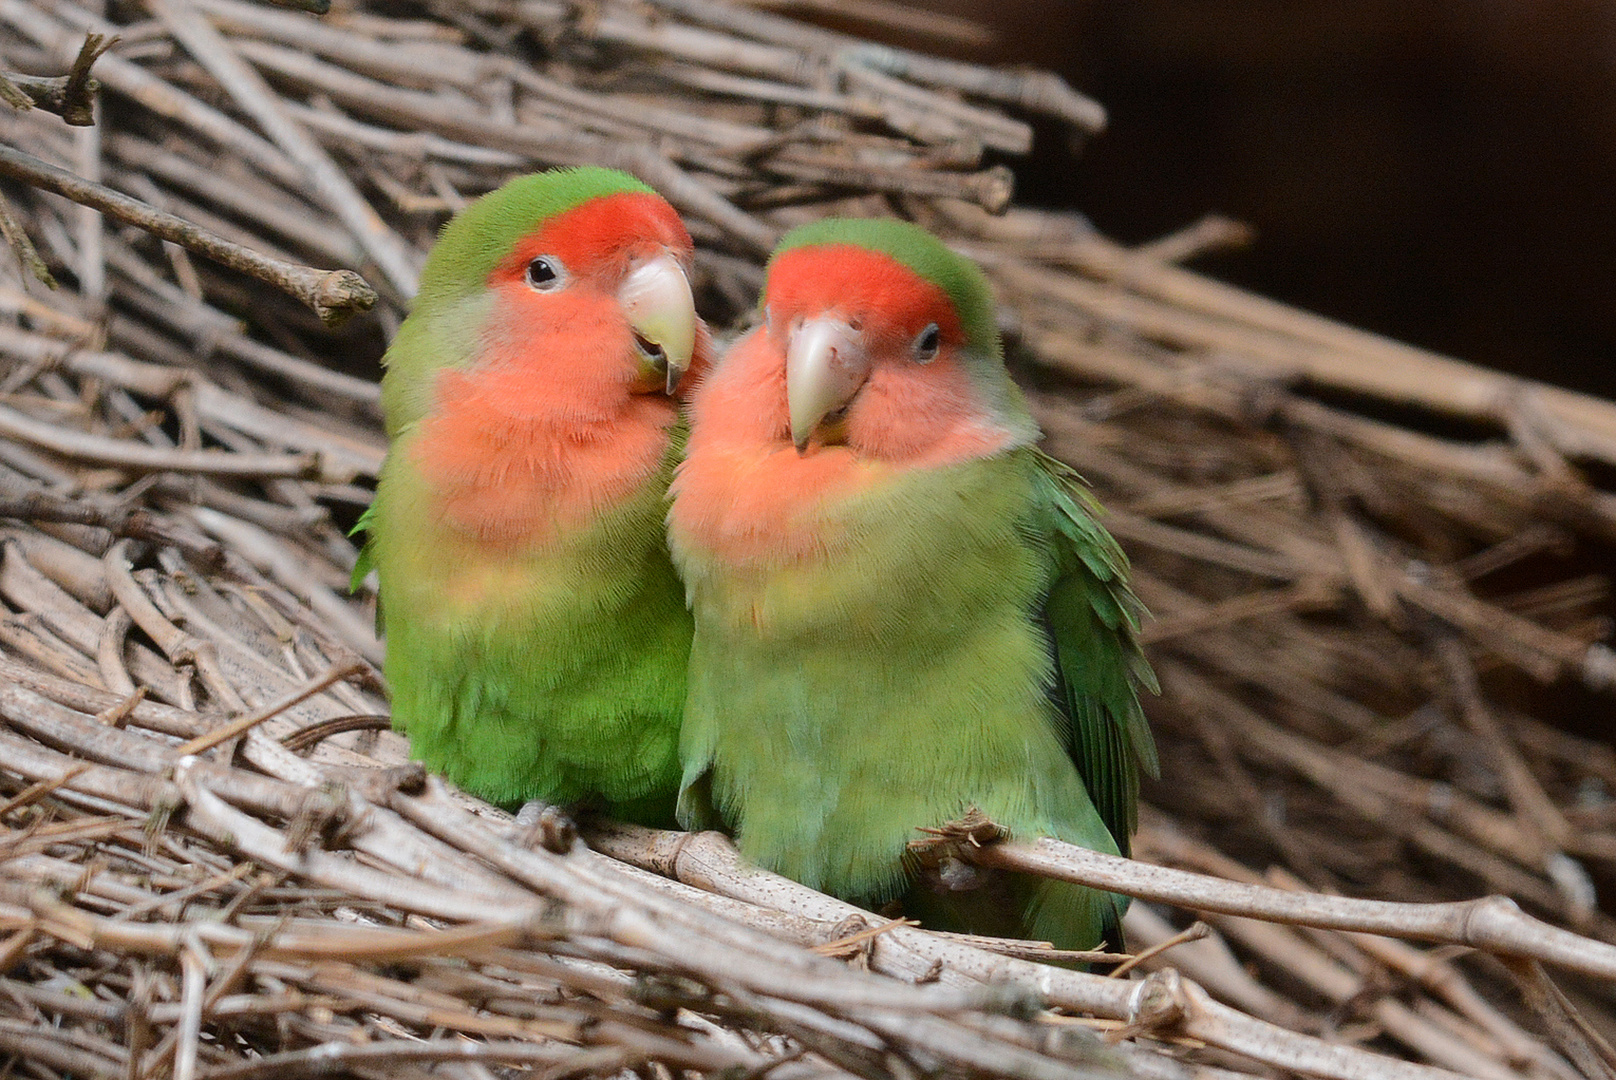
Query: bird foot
(543,825)
(973,828)
(938,852)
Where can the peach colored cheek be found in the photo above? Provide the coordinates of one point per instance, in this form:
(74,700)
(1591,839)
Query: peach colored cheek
(743,401)
(906,409)
(572,346)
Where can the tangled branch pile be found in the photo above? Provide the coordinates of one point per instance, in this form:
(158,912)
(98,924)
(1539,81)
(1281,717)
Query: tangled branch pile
(1378,578)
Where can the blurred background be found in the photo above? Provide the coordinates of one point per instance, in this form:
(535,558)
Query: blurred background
(1442,171)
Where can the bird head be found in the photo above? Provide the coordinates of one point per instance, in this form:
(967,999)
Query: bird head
(889,343)
(581,275)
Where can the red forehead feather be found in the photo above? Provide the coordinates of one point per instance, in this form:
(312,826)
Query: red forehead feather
(856,282)
(601,235)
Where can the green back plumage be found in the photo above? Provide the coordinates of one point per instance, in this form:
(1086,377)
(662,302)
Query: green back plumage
(1093,622)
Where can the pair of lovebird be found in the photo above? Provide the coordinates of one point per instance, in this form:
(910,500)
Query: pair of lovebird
(836,597)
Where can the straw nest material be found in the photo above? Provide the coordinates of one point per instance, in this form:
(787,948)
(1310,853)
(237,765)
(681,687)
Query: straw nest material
(1378,580)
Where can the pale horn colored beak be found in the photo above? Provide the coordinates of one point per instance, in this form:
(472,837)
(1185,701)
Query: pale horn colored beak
(656,300)
(826,363)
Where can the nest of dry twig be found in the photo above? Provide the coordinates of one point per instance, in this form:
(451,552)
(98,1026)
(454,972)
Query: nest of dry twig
(1378,580)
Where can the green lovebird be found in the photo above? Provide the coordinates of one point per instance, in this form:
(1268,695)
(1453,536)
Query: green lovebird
(537,635)
(902,608)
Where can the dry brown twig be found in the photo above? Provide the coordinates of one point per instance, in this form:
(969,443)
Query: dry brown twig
(1305,561)
(16,237)
(1493,923)
(69,96)
(334,295)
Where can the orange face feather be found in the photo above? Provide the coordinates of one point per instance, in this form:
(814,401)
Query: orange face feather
(745,491)
(551,422)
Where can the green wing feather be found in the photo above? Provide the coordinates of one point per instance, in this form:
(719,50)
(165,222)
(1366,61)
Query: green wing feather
(366,562)
(1093,618)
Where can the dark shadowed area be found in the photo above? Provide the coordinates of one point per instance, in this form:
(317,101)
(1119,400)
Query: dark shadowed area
(1439,172)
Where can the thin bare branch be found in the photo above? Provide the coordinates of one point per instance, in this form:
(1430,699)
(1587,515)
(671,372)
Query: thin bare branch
(16,237)
(1493,923)
(334,295)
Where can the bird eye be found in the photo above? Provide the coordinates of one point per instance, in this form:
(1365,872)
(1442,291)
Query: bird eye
(544,274)
(927,344)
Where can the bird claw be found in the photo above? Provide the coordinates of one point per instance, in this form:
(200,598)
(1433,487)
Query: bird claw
(973,828)
(542,825)
(938,852)
(957,875)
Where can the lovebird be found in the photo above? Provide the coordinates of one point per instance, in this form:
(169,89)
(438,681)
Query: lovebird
(537,635)
(903,609)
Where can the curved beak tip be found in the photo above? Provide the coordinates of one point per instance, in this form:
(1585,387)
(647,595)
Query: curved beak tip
(657,302)
(826,364)
(675,374)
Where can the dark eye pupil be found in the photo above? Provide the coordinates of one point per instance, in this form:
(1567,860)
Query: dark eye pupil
(540,272)
(930,338)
